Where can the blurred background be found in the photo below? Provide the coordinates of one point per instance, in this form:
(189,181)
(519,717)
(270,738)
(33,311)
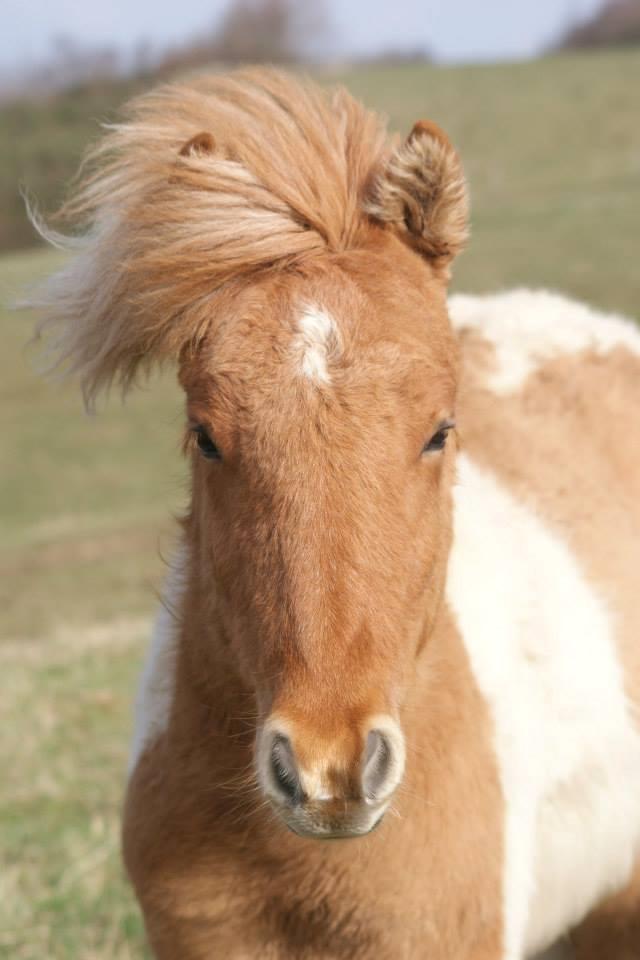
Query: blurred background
(542,97)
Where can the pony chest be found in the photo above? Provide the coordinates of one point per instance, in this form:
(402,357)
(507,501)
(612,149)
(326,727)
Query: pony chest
(587,838)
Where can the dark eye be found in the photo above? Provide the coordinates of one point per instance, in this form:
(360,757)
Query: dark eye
(439,439)
(206,446)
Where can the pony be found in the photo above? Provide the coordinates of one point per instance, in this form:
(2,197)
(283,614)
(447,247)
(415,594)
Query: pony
(390,707)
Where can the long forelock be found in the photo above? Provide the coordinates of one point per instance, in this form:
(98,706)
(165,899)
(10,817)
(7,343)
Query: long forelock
(164,232)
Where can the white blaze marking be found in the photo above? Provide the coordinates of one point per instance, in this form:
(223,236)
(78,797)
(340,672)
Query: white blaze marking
(542,649)
(317,338)
(157,681)
(530,327)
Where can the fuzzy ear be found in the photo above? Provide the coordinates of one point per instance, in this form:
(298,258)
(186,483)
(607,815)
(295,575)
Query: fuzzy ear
(202,143)
(422,193)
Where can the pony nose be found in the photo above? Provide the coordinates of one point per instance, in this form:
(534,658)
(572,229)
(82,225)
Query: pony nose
(370,777)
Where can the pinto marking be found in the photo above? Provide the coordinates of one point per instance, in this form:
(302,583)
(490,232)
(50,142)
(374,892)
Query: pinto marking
(529,327)
(568,750)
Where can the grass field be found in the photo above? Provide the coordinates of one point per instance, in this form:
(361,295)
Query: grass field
(553,152)
(85,518)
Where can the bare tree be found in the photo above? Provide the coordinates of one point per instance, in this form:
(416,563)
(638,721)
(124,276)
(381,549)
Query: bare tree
(617,23)
(258,31)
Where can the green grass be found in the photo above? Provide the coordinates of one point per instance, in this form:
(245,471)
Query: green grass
(85,516)
(63,731)
(553,153)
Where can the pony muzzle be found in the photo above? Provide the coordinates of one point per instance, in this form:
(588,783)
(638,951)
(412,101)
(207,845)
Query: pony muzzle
(329,791)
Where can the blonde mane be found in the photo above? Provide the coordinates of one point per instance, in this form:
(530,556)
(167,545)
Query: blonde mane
(202,184)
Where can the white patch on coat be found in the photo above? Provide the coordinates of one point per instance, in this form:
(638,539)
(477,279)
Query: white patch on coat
(316,340)
(157,681)
(530,327)
(541,643)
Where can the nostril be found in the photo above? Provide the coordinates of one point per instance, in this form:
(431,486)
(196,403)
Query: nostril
(377,764)
(284,771)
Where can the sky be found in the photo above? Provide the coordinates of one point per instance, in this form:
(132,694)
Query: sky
(453,30)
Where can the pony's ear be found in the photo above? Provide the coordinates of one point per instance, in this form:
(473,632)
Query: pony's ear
(422,194)
(202,143)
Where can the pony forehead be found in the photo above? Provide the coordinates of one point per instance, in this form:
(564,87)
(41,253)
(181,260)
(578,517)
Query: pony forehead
(380,304)
(321,342)
(325,333)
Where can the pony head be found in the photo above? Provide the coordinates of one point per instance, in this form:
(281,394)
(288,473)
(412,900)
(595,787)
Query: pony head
(293,262)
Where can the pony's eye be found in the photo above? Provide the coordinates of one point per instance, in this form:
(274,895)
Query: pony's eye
(439,439)
(206,446)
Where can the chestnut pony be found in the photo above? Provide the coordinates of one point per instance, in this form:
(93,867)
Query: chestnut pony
(404,607)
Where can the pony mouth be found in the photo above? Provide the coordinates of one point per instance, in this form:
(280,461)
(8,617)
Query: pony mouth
(313,831)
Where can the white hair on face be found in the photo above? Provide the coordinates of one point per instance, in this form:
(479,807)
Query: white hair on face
(528,328)
(316,340)
(154,698)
